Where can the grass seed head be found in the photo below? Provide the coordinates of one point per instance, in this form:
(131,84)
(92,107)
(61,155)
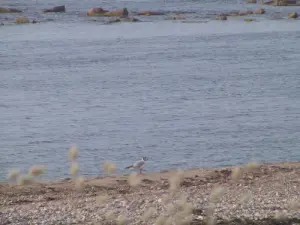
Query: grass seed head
(110,215)
(169,221)
(210,210)
(175,180)
(245,198)
(25,179)
(36,170)
(211,220)
(178,217)
(171,208)
(79,183)
(188,208)
(294,205)
(109,167)
(73,153)
(278,215)
(165,199)
(148,214)
(13,174)
(182,201)
(251,166)
(216,194)
(134,180)
(121,220)
(74,169)
(101,199)
(236,173)
(161,220)
(186,220)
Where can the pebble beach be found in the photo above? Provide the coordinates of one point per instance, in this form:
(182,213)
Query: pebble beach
(248,194)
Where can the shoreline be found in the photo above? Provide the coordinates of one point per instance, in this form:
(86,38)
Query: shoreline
(254,194)
(164,173)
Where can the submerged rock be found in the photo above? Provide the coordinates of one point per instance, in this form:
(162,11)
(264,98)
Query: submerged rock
(60,8)
(176,17)
(249,19)
(244,13)
(101,12)
(126,19)
(9,10)
(259,11)
(281,3)
(96,11)
(121,12)
(22,20)
(221,17)
(293,15)
(251,1)
(149,13)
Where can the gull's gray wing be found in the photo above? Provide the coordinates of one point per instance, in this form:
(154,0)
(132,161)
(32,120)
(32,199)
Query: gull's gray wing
(138,164)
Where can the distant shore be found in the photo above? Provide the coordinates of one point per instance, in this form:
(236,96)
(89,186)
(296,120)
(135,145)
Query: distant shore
(261,194)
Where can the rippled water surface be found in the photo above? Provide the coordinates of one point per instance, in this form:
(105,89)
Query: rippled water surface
(203,94)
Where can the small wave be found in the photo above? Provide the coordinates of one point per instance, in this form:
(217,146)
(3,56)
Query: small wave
(39,142)
(4,106)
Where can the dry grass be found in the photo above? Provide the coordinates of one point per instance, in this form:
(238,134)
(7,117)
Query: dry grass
(73,153)
(37,170)
(13,174)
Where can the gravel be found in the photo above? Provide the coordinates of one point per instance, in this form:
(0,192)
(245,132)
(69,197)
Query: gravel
(266,193)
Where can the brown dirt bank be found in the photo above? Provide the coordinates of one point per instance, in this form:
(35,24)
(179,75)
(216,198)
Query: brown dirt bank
(254,194)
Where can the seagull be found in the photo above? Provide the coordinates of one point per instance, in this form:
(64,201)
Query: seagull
(138,165)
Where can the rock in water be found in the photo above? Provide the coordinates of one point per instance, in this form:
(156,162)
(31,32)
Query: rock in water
(101,12)
(127,19)
(60,8)
(293,15)
(9,10)
(281,2)
(149,13)
(259,11)
(249,19)
(22,20)
(121,12)
(221,17)
(96,12)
